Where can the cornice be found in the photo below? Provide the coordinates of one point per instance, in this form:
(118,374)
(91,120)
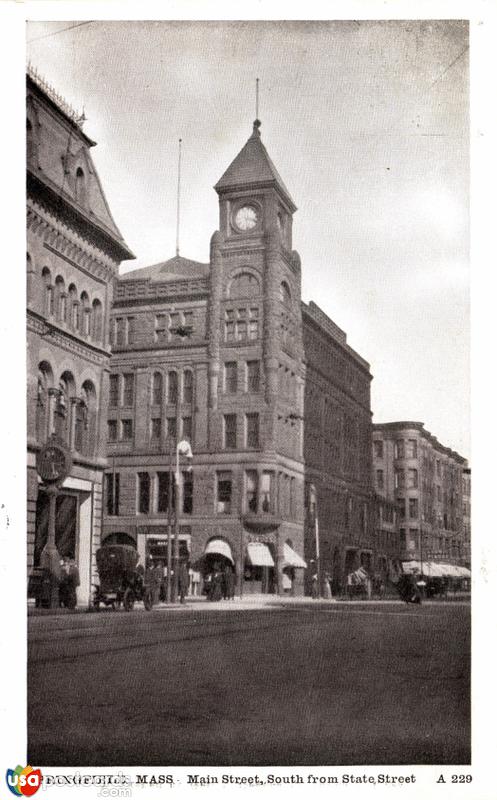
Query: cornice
(53,335)
(64,241)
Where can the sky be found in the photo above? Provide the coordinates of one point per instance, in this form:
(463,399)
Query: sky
(368,125)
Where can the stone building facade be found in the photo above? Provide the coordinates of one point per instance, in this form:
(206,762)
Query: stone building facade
(425,481)
(337,451)
(73,253)
(213,354)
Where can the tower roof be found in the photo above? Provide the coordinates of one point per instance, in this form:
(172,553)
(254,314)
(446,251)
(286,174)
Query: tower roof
(253,167)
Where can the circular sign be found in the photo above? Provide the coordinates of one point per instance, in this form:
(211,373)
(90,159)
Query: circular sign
(53,461)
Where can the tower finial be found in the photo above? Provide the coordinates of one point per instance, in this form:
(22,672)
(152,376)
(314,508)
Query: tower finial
(178,198)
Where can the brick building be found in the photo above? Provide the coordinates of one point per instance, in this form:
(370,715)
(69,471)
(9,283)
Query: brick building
(73,253)
(337,451)
(213,353)
(425,481)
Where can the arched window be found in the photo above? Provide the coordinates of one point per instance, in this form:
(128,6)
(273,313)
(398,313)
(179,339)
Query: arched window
(285,294)
(157,389)
(244,285)
(45,378)
(72,307)
(172,389)
(187,386)
(85,420)
(60,298)
(80,187)
(97,320)
(85,315)
(49,294)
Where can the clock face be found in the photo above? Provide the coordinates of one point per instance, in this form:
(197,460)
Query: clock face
(246,218)
(53,463)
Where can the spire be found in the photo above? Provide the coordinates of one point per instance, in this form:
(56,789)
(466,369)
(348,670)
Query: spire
(253,167)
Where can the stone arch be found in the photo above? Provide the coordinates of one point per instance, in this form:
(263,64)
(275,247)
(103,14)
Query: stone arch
(243,282)
(85,314)
(285,294)
(97,319)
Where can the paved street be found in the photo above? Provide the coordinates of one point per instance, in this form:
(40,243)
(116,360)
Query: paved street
(335,684)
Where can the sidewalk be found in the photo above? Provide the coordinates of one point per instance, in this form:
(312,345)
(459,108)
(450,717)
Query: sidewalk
(250,602)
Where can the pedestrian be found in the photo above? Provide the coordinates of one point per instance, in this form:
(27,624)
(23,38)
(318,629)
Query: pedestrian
(183,580)
(315,587)
(229,578)
(326,586)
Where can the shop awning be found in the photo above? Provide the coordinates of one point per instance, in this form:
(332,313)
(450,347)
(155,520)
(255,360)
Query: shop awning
(259,555)
(432,569)
(291,558)
(220,548)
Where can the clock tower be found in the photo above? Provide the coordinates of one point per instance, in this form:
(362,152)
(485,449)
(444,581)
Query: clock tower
(255,318)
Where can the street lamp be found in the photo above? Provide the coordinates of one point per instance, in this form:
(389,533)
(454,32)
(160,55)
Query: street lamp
(183,448)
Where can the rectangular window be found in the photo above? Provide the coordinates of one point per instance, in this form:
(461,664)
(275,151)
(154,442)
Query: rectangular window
(253,330)
(131,330)
(413,536)
(412,448)
(224,491)
(188,320)
(188,386)
(157,389)
(187,492)
(267,492)
(172,389)
(171,427)
(241,330)
(112,493)
(413,508)
(402,535)
(160,328)
(400,479)
(128,389)
(251,492)
(439,493)
(399,449)
(230,377)
(112,430)
(155,428)
(113,391)
(186,426)
(378,449)
(119,331)
(163,492)
(252,430)
(230,431)
(143,493)
(126,429)
(229,325)
(439,468)
(380,479)
(412,478)
(401,505)
(174,322)
(253,376)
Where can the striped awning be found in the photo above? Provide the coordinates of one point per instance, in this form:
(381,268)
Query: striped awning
(433,569)
(291,558)
(259,555)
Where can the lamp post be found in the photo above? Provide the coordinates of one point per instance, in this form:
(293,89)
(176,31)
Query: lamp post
(183,448)
(313,507)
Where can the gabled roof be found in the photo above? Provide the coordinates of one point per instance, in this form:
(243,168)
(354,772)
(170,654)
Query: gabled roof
(175,269)
(253,166)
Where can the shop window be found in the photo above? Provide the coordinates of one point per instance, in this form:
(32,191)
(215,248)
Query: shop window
(112,486)
(224,492)
(230,431)
(253,376)
(230,377)
(187,492)
(143,493)
(251,480)
(252,430)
